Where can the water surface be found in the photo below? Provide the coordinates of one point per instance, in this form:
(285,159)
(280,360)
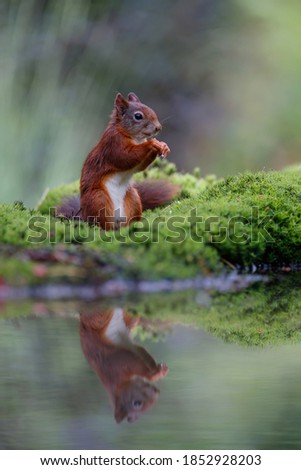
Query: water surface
(215,395)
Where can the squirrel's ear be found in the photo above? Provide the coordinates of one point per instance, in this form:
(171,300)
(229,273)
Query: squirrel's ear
(121,103)
(120,412)
(133,97)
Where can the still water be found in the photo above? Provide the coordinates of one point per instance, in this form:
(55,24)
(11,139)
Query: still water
(62,381)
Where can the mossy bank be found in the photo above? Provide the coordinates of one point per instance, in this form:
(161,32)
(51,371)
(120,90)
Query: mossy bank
(251,218)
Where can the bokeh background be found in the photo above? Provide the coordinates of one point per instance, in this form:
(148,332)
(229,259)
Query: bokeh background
(223,75)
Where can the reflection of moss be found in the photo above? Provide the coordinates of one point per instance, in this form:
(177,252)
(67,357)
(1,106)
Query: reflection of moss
(264,314)
(249,218)
(16,309)
(154,334)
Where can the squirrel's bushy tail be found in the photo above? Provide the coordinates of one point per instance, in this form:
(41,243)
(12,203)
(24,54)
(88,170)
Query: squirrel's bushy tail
(155,193)
(69,207)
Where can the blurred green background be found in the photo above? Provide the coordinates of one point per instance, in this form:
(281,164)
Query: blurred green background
(223,76)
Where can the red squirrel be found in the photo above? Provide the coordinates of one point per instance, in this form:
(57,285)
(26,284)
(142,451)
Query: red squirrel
(108,197)
(124,368)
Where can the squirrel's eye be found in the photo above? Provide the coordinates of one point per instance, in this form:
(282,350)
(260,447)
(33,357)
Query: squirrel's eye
(137,404)
(138,116)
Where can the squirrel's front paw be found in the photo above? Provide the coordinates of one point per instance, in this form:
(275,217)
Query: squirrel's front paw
(163,369)
(163,149)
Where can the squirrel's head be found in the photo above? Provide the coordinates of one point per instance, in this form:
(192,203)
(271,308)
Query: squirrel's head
(133,398)
(138,120)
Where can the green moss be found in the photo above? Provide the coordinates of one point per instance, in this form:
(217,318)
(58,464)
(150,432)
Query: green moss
(244,219)
(14,223)
(268,204)
(54,197)
(16,271)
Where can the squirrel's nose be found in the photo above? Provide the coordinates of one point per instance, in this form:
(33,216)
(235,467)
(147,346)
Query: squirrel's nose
(158,127)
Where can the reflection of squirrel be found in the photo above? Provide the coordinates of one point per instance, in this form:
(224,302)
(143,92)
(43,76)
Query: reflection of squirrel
(127,146)
(123,367)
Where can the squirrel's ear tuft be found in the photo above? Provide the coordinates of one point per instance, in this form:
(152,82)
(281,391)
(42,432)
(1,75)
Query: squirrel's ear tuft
(120,412)
(121,103)
(133,97)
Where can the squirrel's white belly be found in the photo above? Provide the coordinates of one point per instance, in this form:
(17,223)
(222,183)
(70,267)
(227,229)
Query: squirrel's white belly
(117,331)
(117,186)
